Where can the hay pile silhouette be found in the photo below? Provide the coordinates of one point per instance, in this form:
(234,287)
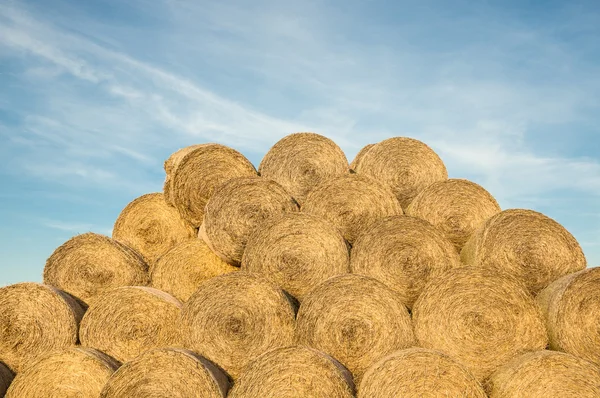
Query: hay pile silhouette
(309,277)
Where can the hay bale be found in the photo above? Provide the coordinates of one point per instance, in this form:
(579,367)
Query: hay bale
(481,317)
(151,227)
(171,164)
(234,318)
(128,321)
(300,161)
(236,209)
(545,374)
(6,377)
(404,164)
(299,371)
(185,267)
(355,319)
(90,264)
(404,253)
(296,252)
(35,319)
(197,172)
(360,155)
(167,372)
(526,244)
(76,372)
(456,206)
(571,307)
(351,203)
(418,372)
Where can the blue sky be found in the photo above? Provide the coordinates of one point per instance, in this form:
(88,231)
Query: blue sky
(94,96)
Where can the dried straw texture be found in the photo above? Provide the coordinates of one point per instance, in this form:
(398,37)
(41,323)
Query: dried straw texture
(197,173)
(526,244)
(185,267)
(297,252)
(351,203)
(76,373)
(35,319)
(360,155)
(571,306)
(236,209)
(356,320)
(301,161)
(404,253)
(151,227)
(167,372)
(6,377)
(90,264)
(481,317)
(418,372)
(234,318)
(457,207)
(294,372)
(172,163)
(404,164)
(128,321)
(545,374)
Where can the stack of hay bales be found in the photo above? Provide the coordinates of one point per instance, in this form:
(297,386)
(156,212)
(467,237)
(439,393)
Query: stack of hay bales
(310,277)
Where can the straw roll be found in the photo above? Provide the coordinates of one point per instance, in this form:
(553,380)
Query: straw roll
(236,209)
(127,321)
(296,252)
(527,244)
(90,264)
(571,307)
(300,161)
(35,319)
(76,372)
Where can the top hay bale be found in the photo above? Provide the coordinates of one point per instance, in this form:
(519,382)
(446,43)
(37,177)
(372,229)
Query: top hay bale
(545,374)
(352,203)
(458,207)
(404,164)
(483,318)
(35,319)
(300,161)
(571,306)
(151,227)
(90,264)
(527,244)
(194,173)
(236,209)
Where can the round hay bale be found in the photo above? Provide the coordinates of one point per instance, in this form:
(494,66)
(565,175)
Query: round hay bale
(360,155)
(418,372)
(571,307)
(236,209)
(6,377)
(526,244)
(128,321)
(151,227)
(456,206)
(297,252)
(298,371)
(167,372)
(234,318)
(185,267)
(404,164)
(351,203)
(76,372)
(481,317)
(300,161)
(404,253)
(90,264)
(355,319)
(197,172)
(35,319)
(545,374)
